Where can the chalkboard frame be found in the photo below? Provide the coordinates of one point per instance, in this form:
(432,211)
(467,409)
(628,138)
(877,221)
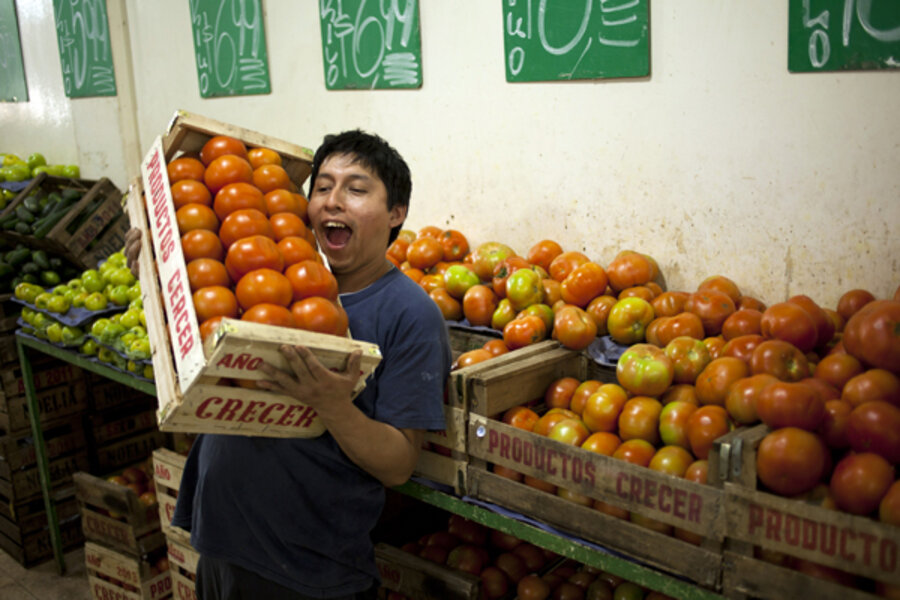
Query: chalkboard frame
(606,52)
(250,75)
(97,76)
(13,84)
(829,35)
(397,67)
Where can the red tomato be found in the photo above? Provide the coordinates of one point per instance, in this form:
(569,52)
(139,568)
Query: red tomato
(673,422)
(673,460)
(523,331)
(833,428)
(639,419)
(451,308)
(269,314)
(253,252)
(573,327)
(680,392)
(221,145)
(496,347)
(860,481)
(668,328)
(479,303)
(791,461)
(873,335)
(740,402)
(705,425)
(669,304)
(744,321)
(503,270)
(599,309)
(723,284)
(750,302)
(742,347)
(494,583)
(824,325)
(603,407)
(543,253)
(826,390)
(787,404)
(851,301)
(227,169)
(874,384)
(635,451)
(559,393)
(689,357)
(263,286)
(714,344)
(581,394)
(321,315)
(875,427)
(644,370)
(628,320)
(486,256)
(471,357)
(521,417)
(584,283)
(629,269)
(781,359)
(712,306)
(889,508)
(602,442)
(790,322)
(838,369)
(713,382)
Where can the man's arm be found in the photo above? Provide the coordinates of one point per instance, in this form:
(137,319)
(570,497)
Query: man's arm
(387,453)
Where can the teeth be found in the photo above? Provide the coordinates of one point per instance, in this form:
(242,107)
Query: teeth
(335,225)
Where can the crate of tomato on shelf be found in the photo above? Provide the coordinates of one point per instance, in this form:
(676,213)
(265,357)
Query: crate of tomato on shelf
(229,273)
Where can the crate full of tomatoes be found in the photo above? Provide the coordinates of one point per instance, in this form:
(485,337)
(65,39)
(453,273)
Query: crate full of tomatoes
(229,272)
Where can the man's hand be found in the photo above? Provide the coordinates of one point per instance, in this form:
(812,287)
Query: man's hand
(310,382)
(133,249)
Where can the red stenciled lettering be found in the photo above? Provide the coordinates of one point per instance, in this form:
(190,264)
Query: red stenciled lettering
(649,492)
(550,468)
(240,361)
(635,490)
(589,470)
(493,440)
(527,453)
(620,484)
(791,530)
(177,554)
(887,555)
(247,416)
(306,419)
(225,361)
(254,363)
(810,529)
(228,412)
(201,411)
(754,520)
(695,507)
(517,450)
(773,525)
(285,418)
(846,554)
(665,494)
(577,469)
(868,539)
(565,466)
(264,416)
(829,542)
(504,446)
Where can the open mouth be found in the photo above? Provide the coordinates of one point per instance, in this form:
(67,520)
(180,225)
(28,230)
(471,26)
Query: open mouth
(337,234)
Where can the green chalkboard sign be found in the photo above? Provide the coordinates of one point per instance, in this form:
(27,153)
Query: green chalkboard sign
(230,47)
(551,40)
(12,70)
(82,31)
(369,44)
(837,35)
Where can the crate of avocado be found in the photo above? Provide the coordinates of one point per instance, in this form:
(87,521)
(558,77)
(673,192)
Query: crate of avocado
(79,219)
(19,263)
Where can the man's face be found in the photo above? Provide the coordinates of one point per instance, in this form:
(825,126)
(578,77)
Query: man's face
(349,215)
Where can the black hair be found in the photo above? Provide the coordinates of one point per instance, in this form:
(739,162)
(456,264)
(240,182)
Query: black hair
(374,153)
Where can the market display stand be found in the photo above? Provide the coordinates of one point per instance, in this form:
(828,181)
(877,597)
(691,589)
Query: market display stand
(568,547)
(22,344)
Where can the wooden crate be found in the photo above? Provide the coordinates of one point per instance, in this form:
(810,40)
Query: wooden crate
(113,515)
(124,452)
(857,545)
(106,394)
(183,565)
(102,200)
(54,404)
(8,351)
(26,484)
(168,467)
(670,500)
(423,579)
(31,517)
(9,321)
(187,373)
(17,451)
(112,574)
(37,548)
(50,374)
(109,426)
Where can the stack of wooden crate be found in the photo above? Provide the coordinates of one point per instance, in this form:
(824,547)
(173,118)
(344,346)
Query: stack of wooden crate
(60,395)
(168,467)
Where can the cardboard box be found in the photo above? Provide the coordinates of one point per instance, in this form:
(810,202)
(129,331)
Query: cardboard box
(186,372)
(112,574)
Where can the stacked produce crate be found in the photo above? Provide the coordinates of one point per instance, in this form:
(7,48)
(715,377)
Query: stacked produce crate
(61,398)
(168,467)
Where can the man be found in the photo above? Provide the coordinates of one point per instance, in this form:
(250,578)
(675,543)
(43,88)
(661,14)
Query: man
(290,518)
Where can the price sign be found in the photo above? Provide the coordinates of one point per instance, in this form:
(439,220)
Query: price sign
(230,47)
(837,35)
(82,31)
(12,71)
(369,44)
(550,40)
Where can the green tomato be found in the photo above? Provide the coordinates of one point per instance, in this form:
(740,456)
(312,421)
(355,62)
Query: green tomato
(35,159)
(28,291)
(458,279)
(60,289)
(72,336)
(75,284)
(121,276)
(117,258)
(137,303)
(523,288)
(89,347)
(503,314)
(78,298)
(28,314)
(134,292)
(40,169)
(133,367)
(59,304)
(95,301)
(10,159)
(130,317)
(92,281)
(99,326)
(111,333)
(138,331)
(54,333)
(119,295)
(105,354)
(139,348)
(71,171)
(148,371)
(42,300)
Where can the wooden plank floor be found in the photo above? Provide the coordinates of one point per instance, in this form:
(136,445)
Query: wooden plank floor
(42,582)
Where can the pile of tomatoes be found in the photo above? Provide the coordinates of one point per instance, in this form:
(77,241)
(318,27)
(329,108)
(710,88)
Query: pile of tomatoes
(548,293)
(246,242)
(509,566)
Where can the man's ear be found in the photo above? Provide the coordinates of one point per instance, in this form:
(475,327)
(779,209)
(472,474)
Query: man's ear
(398,215)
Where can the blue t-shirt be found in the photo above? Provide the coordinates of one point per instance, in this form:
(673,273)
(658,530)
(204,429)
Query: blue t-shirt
(298,511)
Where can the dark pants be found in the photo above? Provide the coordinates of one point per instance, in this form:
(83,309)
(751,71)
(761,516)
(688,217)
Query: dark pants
(221,580)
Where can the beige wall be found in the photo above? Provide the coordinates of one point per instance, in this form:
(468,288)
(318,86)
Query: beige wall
(721,162)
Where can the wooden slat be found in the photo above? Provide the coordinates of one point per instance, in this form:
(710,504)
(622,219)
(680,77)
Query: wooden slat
(26,483)
(421,579)
(128,451)
(168,467)
(442,469)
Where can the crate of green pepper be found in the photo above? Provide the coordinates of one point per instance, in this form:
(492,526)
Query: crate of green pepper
(76,218)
